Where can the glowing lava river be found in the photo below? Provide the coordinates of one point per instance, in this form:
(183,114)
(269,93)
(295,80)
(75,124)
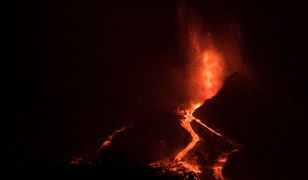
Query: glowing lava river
(203,78)
(186,124)
(206,79)
(207,68)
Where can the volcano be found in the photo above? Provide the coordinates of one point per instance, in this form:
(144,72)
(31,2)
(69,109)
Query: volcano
(171,89)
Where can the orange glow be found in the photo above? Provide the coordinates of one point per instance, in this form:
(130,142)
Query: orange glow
(220,164)
(206,76)
(207,79)
(107,142)
(218,167)
(206,72)
(188,118)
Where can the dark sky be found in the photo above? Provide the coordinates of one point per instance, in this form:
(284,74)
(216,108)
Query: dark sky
(85,68)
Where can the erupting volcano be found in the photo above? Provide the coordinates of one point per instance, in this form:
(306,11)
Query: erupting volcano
(207,69)
(157,90)
(208,75)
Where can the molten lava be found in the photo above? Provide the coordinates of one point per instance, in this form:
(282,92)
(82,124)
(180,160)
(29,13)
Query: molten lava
(206,71)
(209,71)
(220,164)
(107,142)
(206,79)
(186,124)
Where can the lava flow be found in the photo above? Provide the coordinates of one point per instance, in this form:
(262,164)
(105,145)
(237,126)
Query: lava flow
(107,142)
(89,158)
(207,79)
(210,72)
(206,70)
(186,124)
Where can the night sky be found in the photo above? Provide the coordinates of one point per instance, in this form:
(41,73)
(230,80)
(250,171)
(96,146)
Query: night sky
(86,68)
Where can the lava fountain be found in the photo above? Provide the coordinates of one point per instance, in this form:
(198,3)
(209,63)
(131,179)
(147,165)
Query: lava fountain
(206,71)
(207,68)
(208,81)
